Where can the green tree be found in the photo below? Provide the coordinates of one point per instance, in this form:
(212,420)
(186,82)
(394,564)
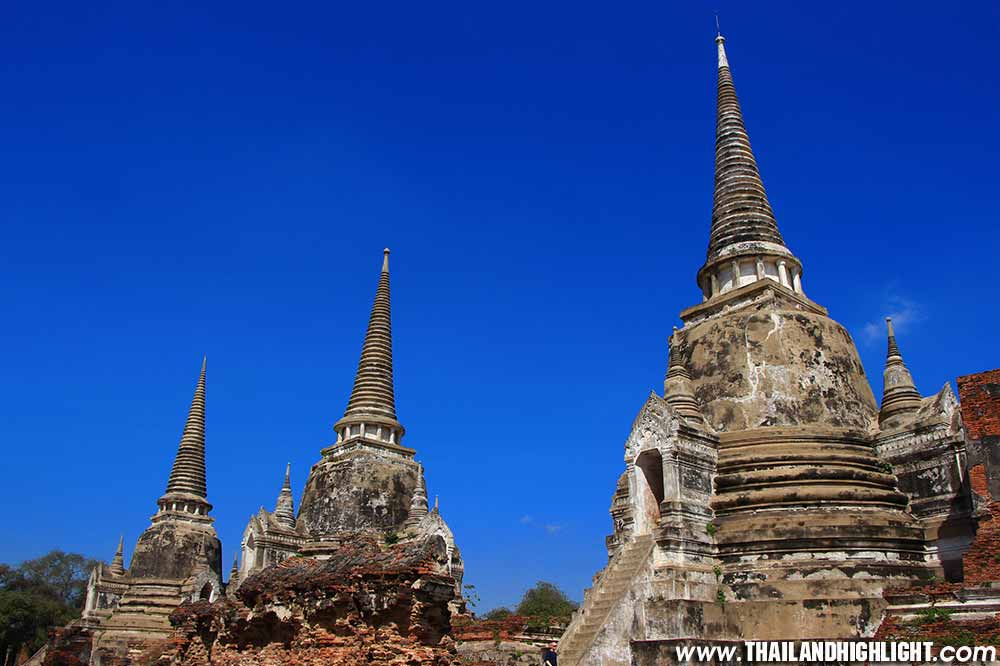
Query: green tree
(25,619)
(40,594)
(547,602)
(57,575)
(500,613)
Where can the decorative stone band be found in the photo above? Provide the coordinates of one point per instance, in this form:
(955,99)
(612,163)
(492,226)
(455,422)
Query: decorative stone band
(755,294)
(784,490)
(771,468)
(737,269)
(346,447)
(183,506)
(354,428)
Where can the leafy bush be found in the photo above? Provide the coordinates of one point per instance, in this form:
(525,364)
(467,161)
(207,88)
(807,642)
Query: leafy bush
(546,602)
(932,614)
(500,613)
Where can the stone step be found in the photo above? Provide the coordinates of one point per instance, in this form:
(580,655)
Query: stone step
(601,599)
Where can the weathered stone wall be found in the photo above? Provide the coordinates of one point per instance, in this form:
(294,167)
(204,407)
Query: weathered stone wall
(361,490)
(761,366)
(175,549)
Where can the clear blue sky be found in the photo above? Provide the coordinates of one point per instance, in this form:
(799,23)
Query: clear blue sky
(185,181)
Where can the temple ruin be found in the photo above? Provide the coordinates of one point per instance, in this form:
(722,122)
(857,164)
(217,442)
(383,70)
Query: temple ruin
(365,483)
(178,558)
(366,488)
(765,494)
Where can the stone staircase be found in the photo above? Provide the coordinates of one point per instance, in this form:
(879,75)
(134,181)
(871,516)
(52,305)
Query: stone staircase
(146,606)
(599,601)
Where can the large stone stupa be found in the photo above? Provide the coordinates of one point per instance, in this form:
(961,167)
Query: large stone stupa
(764,494)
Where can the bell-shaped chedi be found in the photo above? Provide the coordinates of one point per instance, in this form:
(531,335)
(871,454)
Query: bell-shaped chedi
(759,352)
(783,386)
(181,538)
(753,503)
(177,558)
(367,482)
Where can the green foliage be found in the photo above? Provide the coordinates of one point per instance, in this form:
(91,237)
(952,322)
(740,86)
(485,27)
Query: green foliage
(958,638)
(885,467)
(391,538)
(717,570)
(720,596)
(546,602)
(711,528)
(500,613)
(25,618)
(57,576)
(39,594)
(932,614)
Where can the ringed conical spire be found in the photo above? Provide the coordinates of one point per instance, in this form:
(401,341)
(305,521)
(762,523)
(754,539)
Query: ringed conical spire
(899,393)
(418,503)
(118,562)
(744,243)
(186,488)
(372,405)
(284,511)
(188,473)
(741,211)
(677,389)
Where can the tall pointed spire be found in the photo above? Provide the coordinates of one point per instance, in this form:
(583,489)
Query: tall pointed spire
(744,244)
(740,211)
(284,511)
(118,562)
(186,488)
(371,411)
(899,394)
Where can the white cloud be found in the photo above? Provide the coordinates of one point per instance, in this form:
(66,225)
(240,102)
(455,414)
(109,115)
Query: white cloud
(550,528)
(904,312)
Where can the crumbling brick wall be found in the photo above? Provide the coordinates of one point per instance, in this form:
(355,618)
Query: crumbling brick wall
(982,562)
(980,402)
